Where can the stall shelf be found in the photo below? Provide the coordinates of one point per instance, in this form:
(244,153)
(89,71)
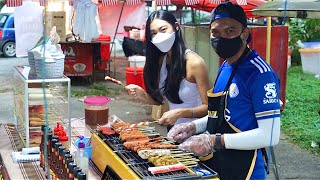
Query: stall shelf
(30,108)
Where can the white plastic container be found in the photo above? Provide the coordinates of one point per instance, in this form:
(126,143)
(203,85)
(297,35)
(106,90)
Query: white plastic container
(137,61)
(310,59)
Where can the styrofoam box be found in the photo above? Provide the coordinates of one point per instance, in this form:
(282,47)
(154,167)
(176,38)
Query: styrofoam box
(310,59)
(138,61)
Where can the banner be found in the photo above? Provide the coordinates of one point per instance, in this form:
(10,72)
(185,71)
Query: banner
(132,15)
(28,24)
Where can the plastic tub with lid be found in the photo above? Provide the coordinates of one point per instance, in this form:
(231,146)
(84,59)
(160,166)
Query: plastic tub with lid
(96,110)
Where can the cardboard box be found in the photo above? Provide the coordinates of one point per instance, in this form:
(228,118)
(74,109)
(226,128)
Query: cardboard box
(57,18)
(158,110)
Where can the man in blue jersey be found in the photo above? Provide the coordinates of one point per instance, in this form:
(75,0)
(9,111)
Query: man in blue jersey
(243,107)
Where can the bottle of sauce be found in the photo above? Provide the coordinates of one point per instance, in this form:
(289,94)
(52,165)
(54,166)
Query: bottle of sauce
(76,170)
(82,176)
(56,157)
(63,163)
(65,172)
(52,152)
(48,144)
(60,161)
(71,166)
(42,163)
(63,138)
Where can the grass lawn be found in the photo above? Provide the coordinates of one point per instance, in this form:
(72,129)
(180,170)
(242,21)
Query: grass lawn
(96,89)
(300,119)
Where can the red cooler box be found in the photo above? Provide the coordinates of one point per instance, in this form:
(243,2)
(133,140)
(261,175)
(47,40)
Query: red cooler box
(134,75)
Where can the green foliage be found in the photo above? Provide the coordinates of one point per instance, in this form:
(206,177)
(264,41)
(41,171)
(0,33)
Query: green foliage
(305,30)
(201,17)
(300,119)
(2,3)
(95,90)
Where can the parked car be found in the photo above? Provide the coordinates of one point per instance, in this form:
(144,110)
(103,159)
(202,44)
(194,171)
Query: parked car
(7,35)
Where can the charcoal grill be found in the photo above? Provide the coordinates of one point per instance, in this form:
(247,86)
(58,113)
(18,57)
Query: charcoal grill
(108,151)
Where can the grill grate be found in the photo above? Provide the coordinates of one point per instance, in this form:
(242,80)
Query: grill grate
(140,166)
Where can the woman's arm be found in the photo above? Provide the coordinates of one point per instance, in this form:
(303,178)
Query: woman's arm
(197,73)
(139,93)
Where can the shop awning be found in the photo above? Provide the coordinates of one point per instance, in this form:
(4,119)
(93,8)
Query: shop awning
(294,8)
(15,3)
(205,5)
(209,5)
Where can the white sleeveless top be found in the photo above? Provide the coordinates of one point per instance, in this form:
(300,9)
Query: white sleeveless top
(188,92)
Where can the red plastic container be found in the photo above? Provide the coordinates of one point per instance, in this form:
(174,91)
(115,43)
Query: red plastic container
(135,78)
(105,48)
(101,66)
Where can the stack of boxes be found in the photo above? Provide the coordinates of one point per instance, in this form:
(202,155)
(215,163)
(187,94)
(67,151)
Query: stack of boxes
(58,19)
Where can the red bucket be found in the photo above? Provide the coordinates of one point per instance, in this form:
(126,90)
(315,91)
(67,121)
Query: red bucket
(135,77)
(105,48)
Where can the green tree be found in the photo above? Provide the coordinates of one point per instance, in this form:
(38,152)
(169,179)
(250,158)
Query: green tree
(2,3)
(305,30)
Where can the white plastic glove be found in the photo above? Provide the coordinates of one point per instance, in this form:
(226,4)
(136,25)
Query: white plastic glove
(181,132)
(200,145)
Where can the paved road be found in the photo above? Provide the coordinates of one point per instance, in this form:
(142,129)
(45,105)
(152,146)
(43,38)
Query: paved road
(293,162)
(6,93)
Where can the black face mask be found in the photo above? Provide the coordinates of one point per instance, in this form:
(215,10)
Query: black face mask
(225,47)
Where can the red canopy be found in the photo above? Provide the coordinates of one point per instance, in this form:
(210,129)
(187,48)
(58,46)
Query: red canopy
(205,5)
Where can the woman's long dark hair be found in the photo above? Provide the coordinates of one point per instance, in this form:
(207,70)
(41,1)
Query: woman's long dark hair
(176,69)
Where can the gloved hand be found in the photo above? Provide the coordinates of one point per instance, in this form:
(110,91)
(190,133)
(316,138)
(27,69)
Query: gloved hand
(200,145)
(181,132)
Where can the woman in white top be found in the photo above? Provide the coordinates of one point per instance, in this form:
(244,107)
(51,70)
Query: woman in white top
(172,72)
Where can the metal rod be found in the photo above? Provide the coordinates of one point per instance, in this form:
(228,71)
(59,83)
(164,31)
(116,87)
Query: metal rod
(275,168)
(115,33)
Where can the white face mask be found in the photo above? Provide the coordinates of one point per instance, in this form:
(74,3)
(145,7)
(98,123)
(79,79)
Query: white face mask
(164,41)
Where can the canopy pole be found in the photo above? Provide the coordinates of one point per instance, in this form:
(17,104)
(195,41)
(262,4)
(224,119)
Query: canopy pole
(268,47)
(115,33)
(155,5)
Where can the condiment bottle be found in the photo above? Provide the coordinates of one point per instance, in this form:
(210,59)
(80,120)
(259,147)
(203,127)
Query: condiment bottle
(71,166)
(82,176)
(60,161)
(56,157)
(81,156)
(63,138)
(48,144)
(67,159)
(42,164)
(52,152)
(76,170)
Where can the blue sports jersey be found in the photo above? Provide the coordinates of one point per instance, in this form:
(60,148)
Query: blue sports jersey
(253,96)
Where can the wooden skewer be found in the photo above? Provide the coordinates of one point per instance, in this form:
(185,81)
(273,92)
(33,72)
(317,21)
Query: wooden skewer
(166,142)
(146,127)
(189,163)
(152,134)
(191,166)
(175,150)
(187,160)
(180,153)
